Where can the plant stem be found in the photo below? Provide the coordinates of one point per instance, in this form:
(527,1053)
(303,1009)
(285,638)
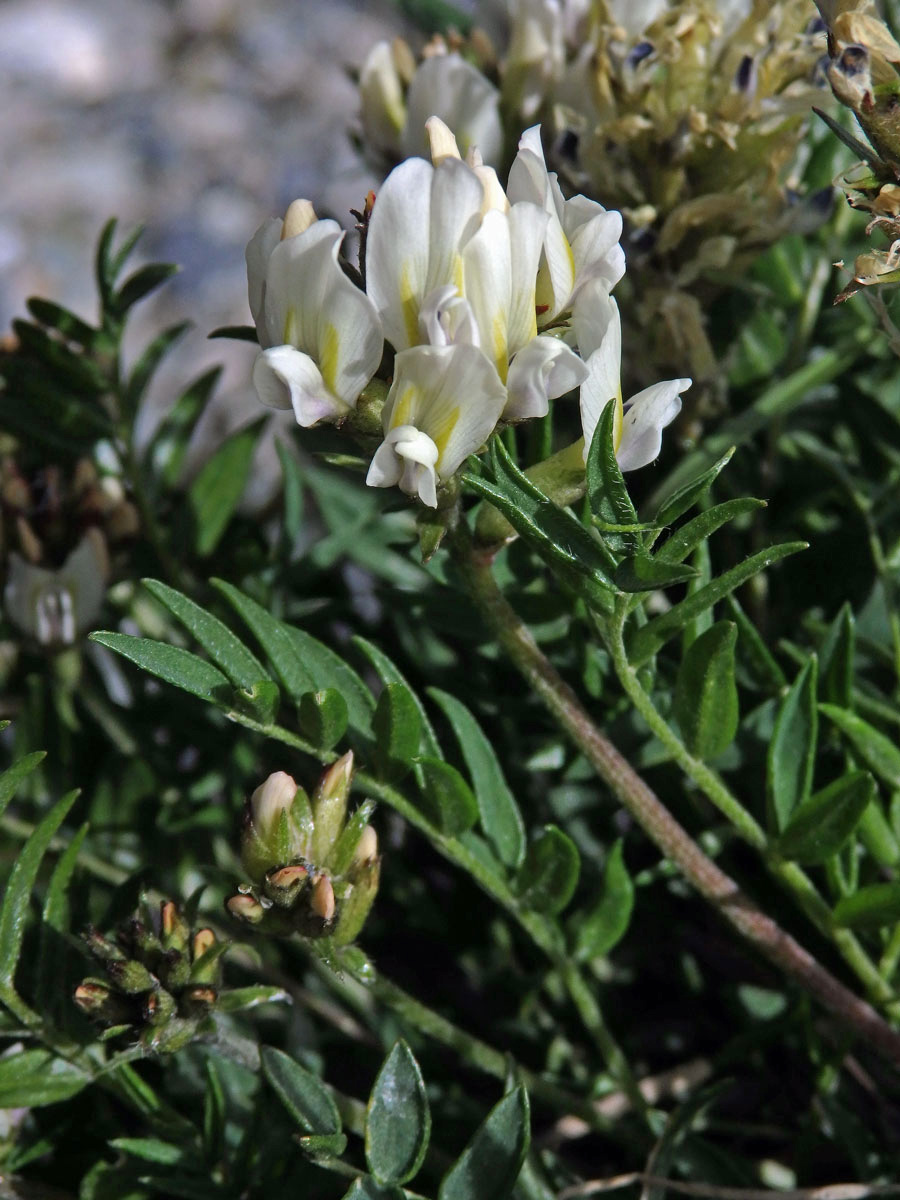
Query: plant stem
(647,809)
(709,782)
(472,1050)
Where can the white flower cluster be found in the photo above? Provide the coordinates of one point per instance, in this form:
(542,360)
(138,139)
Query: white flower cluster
(494,301)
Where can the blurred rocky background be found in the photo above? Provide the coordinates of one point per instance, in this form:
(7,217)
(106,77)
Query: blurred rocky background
(195,118)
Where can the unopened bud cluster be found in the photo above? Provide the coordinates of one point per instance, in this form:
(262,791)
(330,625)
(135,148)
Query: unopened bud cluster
(161,980)
(313,871)
(58,528)
(864,73)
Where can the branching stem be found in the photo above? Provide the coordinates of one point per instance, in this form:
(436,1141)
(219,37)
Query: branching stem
(659,824)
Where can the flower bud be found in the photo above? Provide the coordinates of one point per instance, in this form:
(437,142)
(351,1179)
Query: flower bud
(322,898)
(298,218)
(198,999)
(329,806)
(284,885)
(174,970)
(158,1007)
(277,828)
(174,929)
(98,1000)
(131,977)
(270,800)
(357,903)
(245,908)
(366,848)
(204,939)
(102,948)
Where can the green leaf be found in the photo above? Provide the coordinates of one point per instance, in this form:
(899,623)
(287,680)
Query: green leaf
(216,492)
(141,283)
(603,926)
(145,367)
(149,1150)
(397,727)
(754,649)
(871,907)
(274,638)
(321,1147)
(14,911)
(687,496)
(556,535)
(645,641)
(549,875)
(388,672)
(398,1120)
(365,1188)
(792,750)
(322,717)
(55,919)
(878,753)
(239,999)
(500,817)
(447,799)
(303,1094)
(329,670)
(171,664)
(824,823)
(641,573)
(56,317)
(292,492)
(836,674)
(33,1078)
(706,698)
(168,446)
(215,1113)
(489,1166)
(13,776)
(684,540)
(239,333)
(436,16)
(227,651)
(607,494)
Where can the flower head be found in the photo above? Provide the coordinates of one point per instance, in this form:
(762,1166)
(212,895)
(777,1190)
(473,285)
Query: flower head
(320,336)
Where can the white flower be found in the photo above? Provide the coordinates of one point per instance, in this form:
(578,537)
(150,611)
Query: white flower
(639,422)
(447,86)
(393,115)
(382,100)
(320,335)
(443,404)
(541,33)
(450,261)
(54,607)
(581,241)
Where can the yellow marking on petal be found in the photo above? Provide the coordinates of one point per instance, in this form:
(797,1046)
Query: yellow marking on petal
(404,406)
(458,275)
(291,331)
(409,307)
(328,357)
(498,336)
(440,434)
(617,420)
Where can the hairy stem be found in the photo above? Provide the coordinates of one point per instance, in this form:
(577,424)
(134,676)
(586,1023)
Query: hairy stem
(712,786)
(659,824)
